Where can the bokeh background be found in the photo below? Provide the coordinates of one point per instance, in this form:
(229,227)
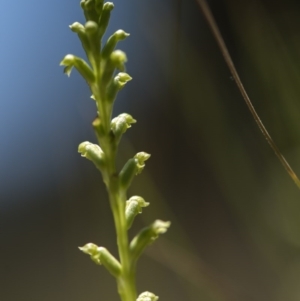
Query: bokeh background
(235,232)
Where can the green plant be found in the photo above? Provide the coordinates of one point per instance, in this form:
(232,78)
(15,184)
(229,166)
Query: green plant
(100,75)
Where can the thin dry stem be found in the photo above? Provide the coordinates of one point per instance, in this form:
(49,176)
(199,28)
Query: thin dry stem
(216,33)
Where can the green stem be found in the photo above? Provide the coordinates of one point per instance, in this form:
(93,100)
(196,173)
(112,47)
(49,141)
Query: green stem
(117,197)
(126,281)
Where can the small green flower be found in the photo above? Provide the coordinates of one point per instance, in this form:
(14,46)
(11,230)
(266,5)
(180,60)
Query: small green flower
(101,256)
(112,41)
(132,168)
(146,236)
(134,207)
(70,61)
(92,152)
(120,124)
(105,16)
(77,27)
(117,84)
(140,161)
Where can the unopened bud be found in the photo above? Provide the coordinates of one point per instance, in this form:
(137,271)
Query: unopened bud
(91,27)
(77,27)
(132,168)
(118,59)
(70,61)
(116,85)
(91,10)
(90,249)
(92,30)
(105,16)
(99,6)
(80,30)
(146,237)
(109,47)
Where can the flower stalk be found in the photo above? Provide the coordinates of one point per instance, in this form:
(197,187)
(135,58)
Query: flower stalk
(105,74)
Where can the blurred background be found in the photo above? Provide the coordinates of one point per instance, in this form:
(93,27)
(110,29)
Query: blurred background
(235,232)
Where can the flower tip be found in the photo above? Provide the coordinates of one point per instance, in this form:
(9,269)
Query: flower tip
(108,5)
(142,156)
(121,34)
(123,77)
(76,27)
(91,27)
(90,249)
(161,227)
(67,60)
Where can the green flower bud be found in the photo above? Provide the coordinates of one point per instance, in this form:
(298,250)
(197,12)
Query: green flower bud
(92,152)
(118,59)
(116,85)
(127,173)
(77,27)
(134,207)
(90,249)
(105,16)
(99,6)
(91,10)
(111,43)
(70,61)
(102,256)
(147,296)
(89,4)
(80,30)
(120,124)
(133,167)
(146,237)
(92,30)
(91,27)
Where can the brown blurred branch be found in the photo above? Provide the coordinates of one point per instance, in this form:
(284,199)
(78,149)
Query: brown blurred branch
(216,33)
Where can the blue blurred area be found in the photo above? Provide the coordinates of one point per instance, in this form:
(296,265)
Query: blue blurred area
(34,99)
(41,110)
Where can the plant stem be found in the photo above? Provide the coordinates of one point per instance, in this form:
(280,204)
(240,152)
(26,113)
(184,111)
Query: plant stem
(126,281)
(117,197)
